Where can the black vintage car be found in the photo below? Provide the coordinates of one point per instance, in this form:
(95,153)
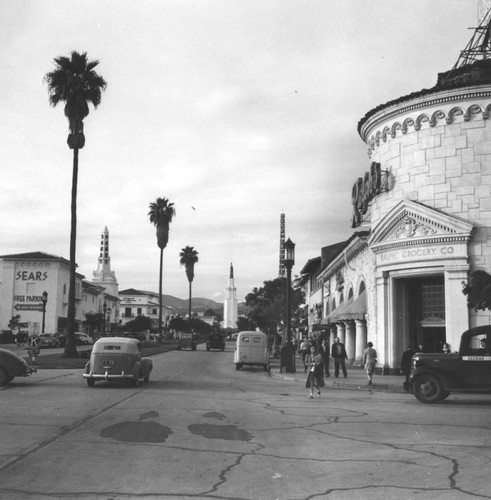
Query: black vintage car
(215,341)
(435,375)
(186,340)
(12,365)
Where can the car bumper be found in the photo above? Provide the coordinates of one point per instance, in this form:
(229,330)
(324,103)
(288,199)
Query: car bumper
(109,376)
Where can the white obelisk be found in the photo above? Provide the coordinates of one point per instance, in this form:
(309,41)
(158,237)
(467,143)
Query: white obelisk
(230,304)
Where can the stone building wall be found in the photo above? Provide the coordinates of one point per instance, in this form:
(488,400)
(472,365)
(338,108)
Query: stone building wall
(437,149)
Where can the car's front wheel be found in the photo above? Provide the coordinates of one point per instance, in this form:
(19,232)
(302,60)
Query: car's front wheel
(238,366)
(4,378)
(428,389)
(90,382)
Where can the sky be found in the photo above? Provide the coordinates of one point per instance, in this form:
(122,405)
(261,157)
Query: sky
(234,110)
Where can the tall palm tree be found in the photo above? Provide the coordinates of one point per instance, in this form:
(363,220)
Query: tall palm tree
(189,257)
(74,82)
(161,214)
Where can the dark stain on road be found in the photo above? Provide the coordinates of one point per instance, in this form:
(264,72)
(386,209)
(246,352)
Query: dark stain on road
(214,414)
(149,414)
(137,432)
(228,432)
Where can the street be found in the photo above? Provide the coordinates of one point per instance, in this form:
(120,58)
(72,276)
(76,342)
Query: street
(201,429)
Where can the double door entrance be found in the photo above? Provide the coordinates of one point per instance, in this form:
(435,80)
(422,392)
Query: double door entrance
(420,312)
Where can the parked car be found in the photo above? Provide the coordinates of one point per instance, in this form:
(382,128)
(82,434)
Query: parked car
(215,341)
(83,339)
(48,340)
(252,348)
(186,340)
(12,365)
(7,337)
(435,375)
(117,358)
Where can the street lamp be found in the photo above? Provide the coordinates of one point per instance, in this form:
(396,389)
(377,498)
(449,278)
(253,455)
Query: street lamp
(288,350)
(44,300)
(104,308)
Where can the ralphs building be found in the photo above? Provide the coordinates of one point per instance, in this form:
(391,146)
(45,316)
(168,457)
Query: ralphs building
(422,212)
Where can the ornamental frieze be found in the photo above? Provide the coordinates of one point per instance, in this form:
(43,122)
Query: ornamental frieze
(433,119)
(412,228)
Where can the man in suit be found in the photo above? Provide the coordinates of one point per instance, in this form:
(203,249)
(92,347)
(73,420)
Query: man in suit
(338,353)
(406,361)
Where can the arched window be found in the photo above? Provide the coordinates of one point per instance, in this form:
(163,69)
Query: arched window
(341,298)
(350,293)
(361,289)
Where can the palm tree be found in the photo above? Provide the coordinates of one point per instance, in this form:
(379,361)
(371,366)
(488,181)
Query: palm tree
(189,257)
(161,214)
(74,82)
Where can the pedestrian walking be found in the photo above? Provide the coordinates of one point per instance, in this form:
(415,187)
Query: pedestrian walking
(369,361)
(306,354)
(407,356)
(324,352)
(338,353)
(315,378)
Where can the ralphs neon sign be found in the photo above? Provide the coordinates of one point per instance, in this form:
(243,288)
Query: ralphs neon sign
(365,189)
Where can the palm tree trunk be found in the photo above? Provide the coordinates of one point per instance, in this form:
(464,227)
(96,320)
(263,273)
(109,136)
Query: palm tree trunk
(70,348)
(160,288)
(190,301)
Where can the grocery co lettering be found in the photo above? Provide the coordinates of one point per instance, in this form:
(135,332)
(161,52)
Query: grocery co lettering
(31,275)
(414,253)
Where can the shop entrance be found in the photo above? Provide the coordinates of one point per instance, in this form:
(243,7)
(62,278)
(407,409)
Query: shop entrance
(420,312)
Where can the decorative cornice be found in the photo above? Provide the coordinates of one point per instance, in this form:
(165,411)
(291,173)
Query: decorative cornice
(448,97)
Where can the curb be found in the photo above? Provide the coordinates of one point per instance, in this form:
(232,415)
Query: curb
(351,385)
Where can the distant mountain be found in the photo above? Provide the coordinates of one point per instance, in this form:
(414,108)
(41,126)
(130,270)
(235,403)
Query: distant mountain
(198,305)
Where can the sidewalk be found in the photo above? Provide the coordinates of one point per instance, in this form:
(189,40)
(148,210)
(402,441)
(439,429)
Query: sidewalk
(356,379)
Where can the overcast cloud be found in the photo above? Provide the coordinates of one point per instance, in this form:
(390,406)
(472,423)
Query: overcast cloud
(240,109)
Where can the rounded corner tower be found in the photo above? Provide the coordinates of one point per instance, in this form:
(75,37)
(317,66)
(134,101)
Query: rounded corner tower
(429,196)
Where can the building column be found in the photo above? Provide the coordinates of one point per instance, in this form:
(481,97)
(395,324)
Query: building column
(332,334)
(340,331)
(350,340)
(361,340)
(456,310)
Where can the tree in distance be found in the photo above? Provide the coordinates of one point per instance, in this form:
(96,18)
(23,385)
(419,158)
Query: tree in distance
(74,82)
(188,258)
(161,214)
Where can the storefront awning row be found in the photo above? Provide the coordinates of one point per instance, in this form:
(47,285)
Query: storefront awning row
(349,310)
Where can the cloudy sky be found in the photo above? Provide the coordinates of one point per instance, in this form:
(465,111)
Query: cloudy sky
(235,110)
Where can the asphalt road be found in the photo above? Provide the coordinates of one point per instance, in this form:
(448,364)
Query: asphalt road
(201,429)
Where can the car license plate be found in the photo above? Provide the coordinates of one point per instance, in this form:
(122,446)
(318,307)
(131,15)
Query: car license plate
(108,363)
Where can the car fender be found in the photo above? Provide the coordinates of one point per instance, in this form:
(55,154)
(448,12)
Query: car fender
(447,381)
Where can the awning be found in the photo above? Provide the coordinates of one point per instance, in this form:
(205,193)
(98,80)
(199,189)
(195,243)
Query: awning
(353,309)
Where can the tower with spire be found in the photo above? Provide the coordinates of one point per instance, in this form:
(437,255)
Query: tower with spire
(104,276)
(230,304)
(281,272)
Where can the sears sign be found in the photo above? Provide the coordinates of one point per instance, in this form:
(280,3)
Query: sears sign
(365,189)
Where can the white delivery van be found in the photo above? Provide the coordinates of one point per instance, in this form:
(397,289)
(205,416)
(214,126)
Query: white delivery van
(252,349)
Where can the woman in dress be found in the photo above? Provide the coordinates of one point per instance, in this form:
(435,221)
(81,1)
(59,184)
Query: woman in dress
(369,361)
(315,378)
